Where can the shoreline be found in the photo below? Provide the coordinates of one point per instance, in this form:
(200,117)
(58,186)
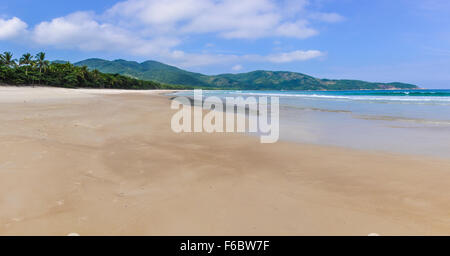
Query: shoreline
(108,164)
(206,89)
(391,129)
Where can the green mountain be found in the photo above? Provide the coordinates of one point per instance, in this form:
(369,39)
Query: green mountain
(256,80)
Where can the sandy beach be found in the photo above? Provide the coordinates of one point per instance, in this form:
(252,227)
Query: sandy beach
(106,162)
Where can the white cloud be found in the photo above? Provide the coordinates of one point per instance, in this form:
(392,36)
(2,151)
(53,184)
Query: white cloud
(81,31)
(292,7)
(294,56)
(297,29)
(237,67)
(156,28)
(226,18)
(159,12)
(12,28)
(235,19)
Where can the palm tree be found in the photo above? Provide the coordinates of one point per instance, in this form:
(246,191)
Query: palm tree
(27,61)
(82,72)
(46,65)
(97,78)
(40,59)
(96,74)
(113,81)
(41,63)
(7,59)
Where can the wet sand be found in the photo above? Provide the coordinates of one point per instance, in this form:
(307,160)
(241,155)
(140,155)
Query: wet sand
(98,162)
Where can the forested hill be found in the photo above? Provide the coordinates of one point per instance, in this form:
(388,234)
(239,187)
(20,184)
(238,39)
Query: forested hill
(36,70)
(256,80)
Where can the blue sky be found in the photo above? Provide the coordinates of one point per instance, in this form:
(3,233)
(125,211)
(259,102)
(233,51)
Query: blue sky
(382,40)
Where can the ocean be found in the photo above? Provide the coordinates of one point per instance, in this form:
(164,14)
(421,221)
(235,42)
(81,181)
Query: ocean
(396,121)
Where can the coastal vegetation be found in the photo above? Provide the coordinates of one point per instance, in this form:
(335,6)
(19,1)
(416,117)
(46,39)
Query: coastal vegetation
(36,70)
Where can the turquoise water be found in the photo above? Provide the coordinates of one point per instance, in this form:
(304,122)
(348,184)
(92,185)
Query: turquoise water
(401,121)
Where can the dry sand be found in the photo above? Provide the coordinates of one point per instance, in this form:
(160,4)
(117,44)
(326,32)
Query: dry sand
(98,162)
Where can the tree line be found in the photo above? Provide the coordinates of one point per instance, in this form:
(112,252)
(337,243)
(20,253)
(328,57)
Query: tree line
(36,70)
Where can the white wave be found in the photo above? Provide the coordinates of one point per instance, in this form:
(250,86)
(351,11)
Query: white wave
(352,97)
